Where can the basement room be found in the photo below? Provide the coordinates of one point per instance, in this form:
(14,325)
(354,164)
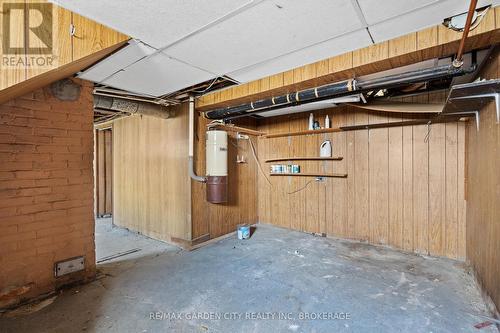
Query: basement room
(249,166)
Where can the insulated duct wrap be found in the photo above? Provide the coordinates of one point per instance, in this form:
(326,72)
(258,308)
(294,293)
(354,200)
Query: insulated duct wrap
(338,89)
(330,90)
(131,107)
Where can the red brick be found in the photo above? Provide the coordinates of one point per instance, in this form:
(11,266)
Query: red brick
(18,219)
(61,156)
(8,247)
(65,125)
(51,197)
(25,156)
(45,146)
(18,236)
(15,166)
(5,147)
(51,182)
(71,204)
(80,210)
(34,191)
(50,165)
(51,149)
(54,231)
(35,242)
(50,131)
(40,225)
(66,141)
(16,130)
(50,115)
(14,202)
(7,212)
(53,214)
(16,184)
(36,174)
(4,193)
(34,139)
(6,175)
(8,138)
(32,104)
(39,123)
(34,208)
(68,173)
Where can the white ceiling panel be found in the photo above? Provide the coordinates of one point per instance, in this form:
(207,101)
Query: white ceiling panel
(157,75)
(156,22)
(125,57)
(266,31)
(419,19)
(330,48)
(377,10)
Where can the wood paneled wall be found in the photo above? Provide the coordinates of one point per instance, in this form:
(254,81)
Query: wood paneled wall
(437,41)
(214,220)
(405,185)
(103,157)
(90,37)
(483,194)
(151,187)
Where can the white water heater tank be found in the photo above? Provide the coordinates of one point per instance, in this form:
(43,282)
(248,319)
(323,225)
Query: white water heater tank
(216,150)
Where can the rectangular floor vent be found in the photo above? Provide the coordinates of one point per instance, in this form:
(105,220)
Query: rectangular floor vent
(69,266)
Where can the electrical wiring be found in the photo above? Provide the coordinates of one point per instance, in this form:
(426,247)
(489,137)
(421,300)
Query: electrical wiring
(264,174)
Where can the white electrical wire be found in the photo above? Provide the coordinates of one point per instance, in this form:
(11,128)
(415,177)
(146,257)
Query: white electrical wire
(264,174)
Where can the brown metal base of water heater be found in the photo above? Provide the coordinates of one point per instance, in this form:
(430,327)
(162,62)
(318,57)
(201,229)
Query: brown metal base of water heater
(217,189)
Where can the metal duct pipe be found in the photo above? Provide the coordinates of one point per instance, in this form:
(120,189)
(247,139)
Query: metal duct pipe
(458,62)
(132,107)
(192,174)
(308,95)
(336,90)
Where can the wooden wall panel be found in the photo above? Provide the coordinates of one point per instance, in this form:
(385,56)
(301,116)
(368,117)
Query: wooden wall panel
(395,191)
(151,187)
(103,172)
(14,74)
(90,37)
(395,188)
(483,194)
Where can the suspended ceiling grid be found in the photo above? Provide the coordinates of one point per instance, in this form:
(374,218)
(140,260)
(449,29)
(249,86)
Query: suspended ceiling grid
(182,43)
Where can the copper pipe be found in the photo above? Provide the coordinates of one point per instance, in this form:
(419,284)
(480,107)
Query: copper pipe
(458,62)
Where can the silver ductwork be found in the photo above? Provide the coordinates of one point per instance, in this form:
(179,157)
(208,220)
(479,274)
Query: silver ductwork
(132,107)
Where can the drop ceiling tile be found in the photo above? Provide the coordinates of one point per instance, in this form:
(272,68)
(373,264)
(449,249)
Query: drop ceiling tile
(376,10)
(125,57)
(265,31)
(158,75)
(419,19)
(330,48)
(156,22)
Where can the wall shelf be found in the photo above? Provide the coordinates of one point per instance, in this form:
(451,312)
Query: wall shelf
(280,159)
(318,131)
(305,174)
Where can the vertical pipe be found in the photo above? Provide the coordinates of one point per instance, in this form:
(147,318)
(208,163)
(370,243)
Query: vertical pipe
(192,174)
(458,62)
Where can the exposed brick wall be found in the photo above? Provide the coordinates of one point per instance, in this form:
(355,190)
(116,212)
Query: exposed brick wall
(46,192)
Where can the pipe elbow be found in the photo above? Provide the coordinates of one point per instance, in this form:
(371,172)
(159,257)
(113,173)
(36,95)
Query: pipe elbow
(192,174)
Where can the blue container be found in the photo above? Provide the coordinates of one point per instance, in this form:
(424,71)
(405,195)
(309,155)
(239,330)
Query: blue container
(243,231)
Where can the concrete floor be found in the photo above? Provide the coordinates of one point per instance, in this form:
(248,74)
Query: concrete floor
(275,273)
